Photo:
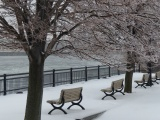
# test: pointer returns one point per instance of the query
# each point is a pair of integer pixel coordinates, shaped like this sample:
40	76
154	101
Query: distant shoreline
12	54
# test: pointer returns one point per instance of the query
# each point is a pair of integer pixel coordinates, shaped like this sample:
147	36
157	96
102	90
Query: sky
141	104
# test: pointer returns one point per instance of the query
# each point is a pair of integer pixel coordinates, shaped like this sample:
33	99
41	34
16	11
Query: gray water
20	64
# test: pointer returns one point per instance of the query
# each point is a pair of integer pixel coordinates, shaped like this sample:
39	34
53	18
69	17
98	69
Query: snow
140	104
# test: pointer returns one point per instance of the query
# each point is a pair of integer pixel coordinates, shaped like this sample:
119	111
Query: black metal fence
13	83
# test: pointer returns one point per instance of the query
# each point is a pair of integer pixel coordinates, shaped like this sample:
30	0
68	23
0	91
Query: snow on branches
104	30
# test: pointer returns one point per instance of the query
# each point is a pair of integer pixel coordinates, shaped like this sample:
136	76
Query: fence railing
13	83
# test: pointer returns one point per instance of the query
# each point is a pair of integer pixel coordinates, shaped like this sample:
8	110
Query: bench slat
118	84
71	94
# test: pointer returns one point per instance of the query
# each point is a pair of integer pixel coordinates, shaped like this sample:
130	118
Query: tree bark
35	90
128	79
149	65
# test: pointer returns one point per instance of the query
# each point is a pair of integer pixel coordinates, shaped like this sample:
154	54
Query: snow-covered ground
142	104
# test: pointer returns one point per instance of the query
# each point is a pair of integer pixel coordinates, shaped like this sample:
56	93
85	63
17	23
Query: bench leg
121	92
78	103
111	95
50	111
136	86
59	108
142	85
155	81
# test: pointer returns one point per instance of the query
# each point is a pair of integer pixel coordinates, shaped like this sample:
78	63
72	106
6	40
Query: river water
20	64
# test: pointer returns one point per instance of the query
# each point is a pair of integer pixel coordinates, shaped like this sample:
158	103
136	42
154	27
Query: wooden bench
156	77
67	95
116	86
143	81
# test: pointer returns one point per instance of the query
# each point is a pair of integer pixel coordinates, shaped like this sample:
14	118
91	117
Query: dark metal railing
13	83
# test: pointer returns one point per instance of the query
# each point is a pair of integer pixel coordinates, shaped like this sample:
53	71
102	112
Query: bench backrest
145	77
118	84
70	95
158	74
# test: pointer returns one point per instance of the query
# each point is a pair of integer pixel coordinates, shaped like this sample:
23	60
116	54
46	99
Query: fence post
134	68
71	76
53	77
98	72
109	71
5	88
85	73
139	68
118	71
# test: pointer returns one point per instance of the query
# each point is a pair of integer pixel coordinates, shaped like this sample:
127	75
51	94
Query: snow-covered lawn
142	104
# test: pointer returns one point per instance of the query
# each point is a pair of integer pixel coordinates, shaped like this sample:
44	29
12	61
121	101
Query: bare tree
128	26
41	28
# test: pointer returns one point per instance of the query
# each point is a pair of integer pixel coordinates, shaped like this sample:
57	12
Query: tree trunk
35	90
128	79
149	65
